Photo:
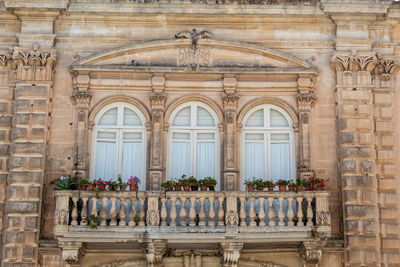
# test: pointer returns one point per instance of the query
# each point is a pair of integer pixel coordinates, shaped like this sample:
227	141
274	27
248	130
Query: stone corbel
231	253
71	252
311	252
155	250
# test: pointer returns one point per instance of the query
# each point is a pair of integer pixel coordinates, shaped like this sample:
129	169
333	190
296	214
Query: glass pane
280	161
256	119
132	161
279	137
109	118
182	118
205	160
131	118
255	136
106	135
277	119
132	136
180	159
182	136
105	160
204	118
255	161
205	136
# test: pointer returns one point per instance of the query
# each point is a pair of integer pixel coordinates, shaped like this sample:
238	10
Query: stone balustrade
191	212
212	2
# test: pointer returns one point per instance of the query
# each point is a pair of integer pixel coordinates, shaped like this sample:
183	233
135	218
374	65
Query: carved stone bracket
231	253
71	251
311	251
155	250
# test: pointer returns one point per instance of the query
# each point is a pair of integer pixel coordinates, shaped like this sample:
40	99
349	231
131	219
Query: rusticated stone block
360	211
383	99
24	176
35	162
21	104
19	264
369	195
347	151
16	162
11	252
346	137
15	222
371	256
4	150
15	191
14	237
387	184
385	154
28	147
384	126
352	225
38	133
370	226
39	119
361	241
359	180
355	124
31	91
347	166
386	113
34	191
390	243
354	255
22	118
389	170
2	135
356	95
31	222
366	166
364	109
40	105
3	107
366	138
5	121
22	206
28	252
387	140
350	195
18	132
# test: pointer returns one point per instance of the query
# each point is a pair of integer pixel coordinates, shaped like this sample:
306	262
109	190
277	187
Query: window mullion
119	152
267	155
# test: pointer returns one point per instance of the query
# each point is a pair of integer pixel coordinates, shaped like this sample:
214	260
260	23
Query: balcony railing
204	2
172	215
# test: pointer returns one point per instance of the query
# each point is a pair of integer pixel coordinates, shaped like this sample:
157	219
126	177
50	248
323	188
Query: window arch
268	149
119	143
193	141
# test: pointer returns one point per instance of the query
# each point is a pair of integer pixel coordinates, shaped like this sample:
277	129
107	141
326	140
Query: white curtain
180	159
255	160
205	159
105	160
131	160
280	161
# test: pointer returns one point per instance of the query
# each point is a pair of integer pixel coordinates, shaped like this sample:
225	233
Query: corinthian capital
354	62
34	57
305	99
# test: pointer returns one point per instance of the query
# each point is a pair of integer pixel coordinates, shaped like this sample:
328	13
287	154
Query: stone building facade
328	67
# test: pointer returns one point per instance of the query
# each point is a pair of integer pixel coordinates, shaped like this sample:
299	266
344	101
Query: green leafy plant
119	180
169	183
83	181
192	181
210	181
268	183
183	180
112	186
250	182
93	221
65	183
282	182
136	219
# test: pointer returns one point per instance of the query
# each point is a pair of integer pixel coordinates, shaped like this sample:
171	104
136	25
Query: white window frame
193	130
267	130
119	129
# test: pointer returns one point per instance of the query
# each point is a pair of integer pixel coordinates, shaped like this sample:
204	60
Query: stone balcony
196	218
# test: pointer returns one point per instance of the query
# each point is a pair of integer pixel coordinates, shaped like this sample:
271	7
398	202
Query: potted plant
64	183
303	168
292	186
100	184
133	183
112	186
169	185
136	219
122	186
83	183
269	184
282	184
259	183
250	185
300	184
203	184
211	183
194	185
314	184
92	185
184	182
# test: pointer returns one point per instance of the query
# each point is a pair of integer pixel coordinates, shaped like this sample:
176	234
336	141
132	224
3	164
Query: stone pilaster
30	122
231	253
386	168
157	101
82	99
357	157
155	250
230	173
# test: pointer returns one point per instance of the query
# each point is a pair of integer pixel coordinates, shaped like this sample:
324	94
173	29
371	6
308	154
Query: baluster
309	212
141	213
84	212
290	212
172	215
113	212
281	214
94	207
182	212
163	212
211	212
74	213
242	214
192	212
202	213
132	212
271	212
261	214
103	213
122	213
252	214
221	212
300	212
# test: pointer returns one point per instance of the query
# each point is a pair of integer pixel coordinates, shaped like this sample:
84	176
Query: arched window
118	146
193	141
268	150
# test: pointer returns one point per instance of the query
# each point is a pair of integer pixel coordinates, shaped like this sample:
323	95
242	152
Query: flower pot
250	188
92	187
203	187
186	188
133	187
300	188
123	187
260	188
282	188
211	187
84	187
270	188
194	188
292	187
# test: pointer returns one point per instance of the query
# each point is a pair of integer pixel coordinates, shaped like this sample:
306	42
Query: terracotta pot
84	187
194	188
260	188
270	188
211	187
92	187
292	187
282	188
123	187
186	188
203	187
133	187
300	188
250	188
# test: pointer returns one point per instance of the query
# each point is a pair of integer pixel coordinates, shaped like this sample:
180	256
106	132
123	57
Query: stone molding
311	251
155	250
71	251
231	253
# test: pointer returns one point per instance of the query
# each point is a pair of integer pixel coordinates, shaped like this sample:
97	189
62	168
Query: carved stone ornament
311	251
386	67
194	36
354	62
6	59
231	253
230	117
158	99
155	250
82	95
231	218
194	58
305	99
61	217
230	98
71	251
304	117
323	218
153	218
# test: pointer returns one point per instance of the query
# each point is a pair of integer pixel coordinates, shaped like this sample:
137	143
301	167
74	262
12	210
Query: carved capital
311	251
6	59
386	67
82	96
230	98
158	99
305	84
231	253
155	250
306	99
71	251
354	62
